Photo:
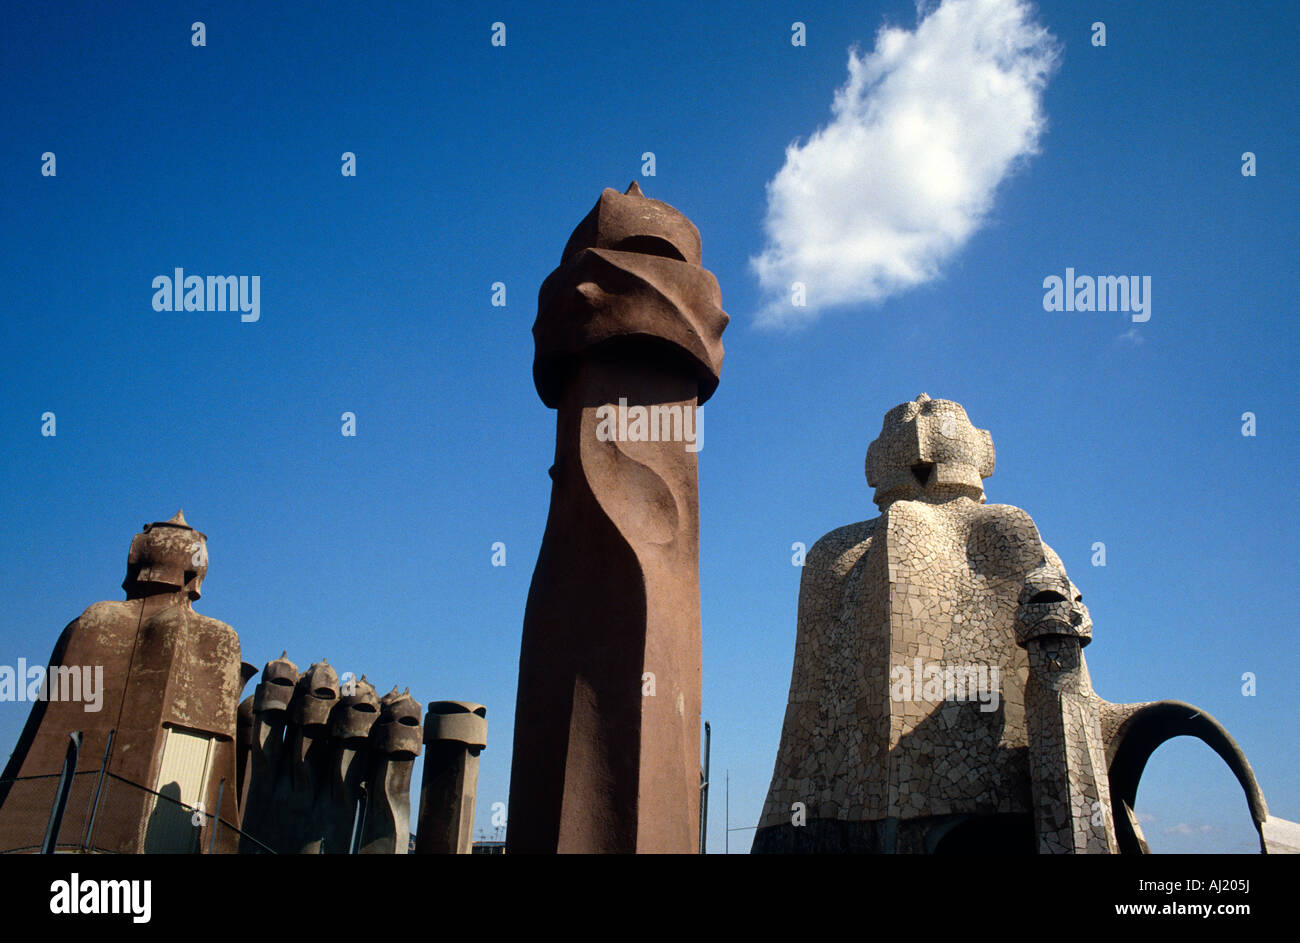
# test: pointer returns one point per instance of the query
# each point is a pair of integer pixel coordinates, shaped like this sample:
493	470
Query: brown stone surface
455	732
630	320
166	669
396	740
317	754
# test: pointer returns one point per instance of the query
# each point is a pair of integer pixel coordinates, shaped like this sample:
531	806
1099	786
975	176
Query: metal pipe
99	785
216	819
358	821
61	797
704	792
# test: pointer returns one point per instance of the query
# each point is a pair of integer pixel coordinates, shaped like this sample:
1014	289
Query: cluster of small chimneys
325	767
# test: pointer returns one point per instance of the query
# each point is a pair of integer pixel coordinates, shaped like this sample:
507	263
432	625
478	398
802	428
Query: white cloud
926	127
1182	828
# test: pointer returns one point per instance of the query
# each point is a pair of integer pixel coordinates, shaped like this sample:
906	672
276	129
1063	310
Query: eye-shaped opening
408	720
1046	596
922	471
283	682
1079	598
325	694
364	708
649	245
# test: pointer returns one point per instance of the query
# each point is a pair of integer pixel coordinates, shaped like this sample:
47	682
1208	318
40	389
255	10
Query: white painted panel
183	776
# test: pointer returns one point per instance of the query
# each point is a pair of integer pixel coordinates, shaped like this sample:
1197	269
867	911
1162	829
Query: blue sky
474	163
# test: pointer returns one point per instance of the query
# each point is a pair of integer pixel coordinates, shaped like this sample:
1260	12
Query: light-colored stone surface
1281	837
1067	757
880	749
938	577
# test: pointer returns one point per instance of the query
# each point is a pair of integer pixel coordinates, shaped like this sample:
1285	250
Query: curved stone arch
1139	735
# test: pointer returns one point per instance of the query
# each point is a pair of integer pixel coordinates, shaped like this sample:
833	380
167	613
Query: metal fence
106	814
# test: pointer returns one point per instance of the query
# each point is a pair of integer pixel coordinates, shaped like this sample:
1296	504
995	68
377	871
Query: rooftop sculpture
607	721
940	700
171	685
305	765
